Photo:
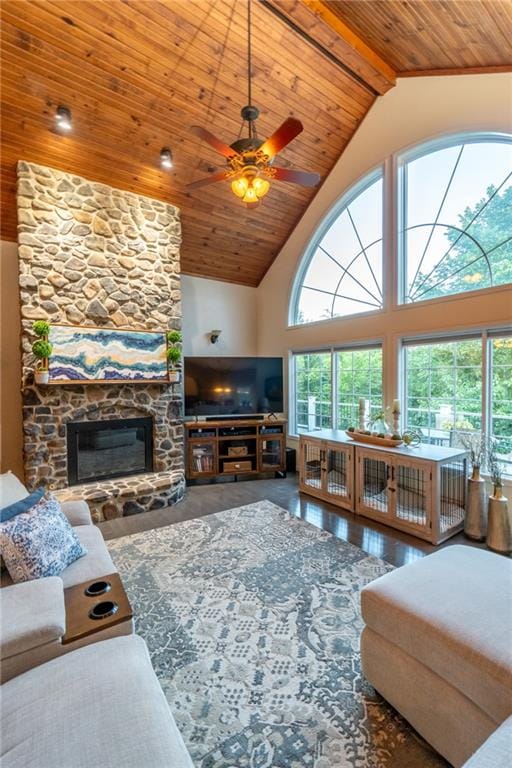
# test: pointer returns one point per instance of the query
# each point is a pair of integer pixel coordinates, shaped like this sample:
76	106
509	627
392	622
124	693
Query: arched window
453	229
456	209
342	270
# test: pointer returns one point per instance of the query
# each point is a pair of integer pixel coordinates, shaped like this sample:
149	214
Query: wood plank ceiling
138	73
425	35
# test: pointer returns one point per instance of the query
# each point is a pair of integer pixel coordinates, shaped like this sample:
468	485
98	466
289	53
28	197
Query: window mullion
334	390
486	386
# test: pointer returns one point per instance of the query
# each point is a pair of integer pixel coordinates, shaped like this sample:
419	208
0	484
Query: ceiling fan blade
304	178
211	179
284	134
213	141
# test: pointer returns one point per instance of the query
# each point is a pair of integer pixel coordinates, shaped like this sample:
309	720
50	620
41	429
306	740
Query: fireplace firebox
99	450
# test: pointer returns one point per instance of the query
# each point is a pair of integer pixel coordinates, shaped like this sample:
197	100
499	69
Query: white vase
499	530
174	376
41	377
475	521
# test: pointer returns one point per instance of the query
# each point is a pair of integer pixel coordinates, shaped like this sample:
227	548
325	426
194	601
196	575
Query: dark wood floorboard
387	543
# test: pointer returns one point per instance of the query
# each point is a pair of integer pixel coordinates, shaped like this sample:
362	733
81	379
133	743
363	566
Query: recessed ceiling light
63	119
166	158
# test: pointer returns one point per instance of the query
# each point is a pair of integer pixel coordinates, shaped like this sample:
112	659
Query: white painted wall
211	304
416	110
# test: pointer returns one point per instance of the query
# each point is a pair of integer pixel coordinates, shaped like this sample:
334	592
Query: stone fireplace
101	450
91	255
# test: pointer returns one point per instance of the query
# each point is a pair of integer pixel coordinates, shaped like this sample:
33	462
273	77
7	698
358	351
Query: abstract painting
106	355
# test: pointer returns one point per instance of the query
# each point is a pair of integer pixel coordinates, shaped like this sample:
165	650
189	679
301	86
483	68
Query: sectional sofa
69	706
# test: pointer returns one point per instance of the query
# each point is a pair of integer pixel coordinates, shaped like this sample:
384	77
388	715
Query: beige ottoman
438	646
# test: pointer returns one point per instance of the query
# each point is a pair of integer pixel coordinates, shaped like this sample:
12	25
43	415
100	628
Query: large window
456	387
500	357
343	270
443	388
438	221
356	372
457	219
313	391
358	375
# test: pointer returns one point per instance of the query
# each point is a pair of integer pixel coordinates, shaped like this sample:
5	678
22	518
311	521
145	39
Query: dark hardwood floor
387	543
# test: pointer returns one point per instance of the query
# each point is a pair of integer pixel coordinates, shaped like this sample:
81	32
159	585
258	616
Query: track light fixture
63	119
166	158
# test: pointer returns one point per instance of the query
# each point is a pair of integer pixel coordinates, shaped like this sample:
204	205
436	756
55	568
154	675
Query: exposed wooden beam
456	71
325	31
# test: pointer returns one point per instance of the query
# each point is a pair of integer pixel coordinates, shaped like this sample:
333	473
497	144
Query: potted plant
41	349
475	521
174	339
499	532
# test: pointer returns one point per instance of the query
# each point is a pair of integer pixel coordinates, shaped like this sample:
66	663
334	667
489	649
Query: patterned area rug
252	621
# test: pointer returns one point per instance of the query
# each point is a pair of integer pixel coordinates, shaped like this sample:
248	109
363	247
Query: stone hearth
91	255
128	496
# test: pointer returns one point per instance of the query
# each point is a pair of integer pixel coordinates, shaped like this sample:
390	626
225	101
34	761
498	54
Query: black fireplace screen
98	450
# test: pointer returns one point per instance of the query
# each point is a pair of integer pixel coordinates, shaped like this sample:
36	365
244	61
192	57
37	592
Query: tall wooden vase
475	523
499	533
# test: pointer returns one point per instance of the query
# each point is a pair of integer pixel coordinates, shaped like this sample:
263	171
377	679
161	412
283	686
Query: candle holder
362	414
396	417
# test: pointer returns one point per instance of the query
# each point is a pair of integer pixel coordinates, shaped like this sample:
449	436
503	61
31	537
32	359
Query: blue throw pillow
39	542
21	506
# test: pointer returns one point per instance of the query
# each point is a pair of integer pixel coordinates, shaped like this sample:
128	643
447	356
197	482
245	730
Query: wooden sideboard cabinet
419	490
235	447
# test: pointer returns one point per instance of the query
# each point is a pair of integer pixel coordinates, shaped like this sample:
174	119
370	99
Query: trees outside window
443	388
357	373
500	355
343	271
444	393
435	222
457	233
313	391
453	228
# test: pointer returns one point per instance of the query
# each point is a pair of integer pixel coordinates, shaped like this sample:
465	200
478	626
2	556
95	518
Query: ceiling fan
250	160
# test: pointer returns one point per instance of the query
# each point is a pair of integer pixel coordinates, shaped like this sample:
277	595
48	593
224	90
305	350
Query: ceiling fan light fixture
250	196
249	159
239	186
261	186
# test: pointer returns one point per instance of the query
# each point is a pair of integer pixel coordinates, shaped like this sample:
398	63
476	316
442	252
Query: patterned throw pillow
39	542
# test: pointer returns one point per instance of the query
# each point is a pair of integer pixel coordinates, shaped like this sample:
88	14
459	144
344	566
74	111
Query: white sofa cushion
35	614
34	621
11	489
77	512
453	612
98	707
96	563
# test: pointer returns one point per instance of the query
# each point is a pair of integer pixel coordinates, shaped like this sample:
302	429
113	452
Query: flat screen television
229	386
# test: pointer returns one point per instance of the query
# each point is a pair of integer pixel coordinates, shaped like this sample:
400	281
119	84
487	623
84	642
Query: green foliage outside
464	268
444	380
359	375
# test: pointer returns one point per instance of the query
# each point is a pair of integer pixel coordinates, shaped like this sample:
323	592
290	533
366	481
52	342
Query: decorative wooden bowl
387	442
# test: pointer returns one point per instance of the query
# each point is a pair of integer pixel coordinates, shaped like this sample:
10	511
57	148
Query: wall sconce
166	158
214	336
63	119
